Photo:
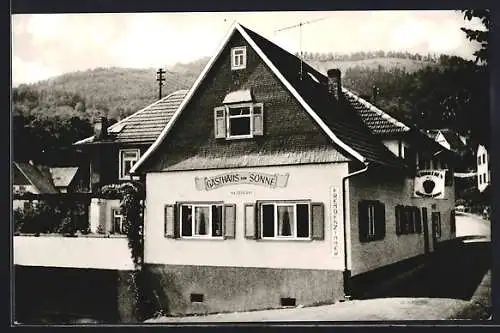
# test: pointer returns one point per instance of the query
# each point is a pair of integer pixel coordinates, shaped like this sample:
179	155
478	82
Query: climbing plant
132	195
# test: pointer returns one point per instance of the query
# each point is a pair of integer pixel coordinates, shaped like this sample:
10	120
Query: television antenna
299	25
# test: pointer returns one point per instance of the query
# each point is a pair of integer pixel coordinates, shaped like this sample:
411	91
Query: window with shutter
200	220
220	122
285	220
230	221
258	119
250	221
371	219
418	220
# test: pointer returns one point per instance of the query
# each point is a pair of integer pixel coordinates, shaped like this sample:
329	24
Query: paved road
454	272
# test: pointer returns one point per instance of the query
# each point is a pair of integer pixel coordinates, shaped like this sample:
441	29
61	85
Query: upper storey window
238	57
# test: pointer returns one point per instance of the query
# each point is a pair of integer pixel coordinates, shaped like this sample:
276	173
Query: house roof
449	135
339	121
379	122
40	178
145	125
62	177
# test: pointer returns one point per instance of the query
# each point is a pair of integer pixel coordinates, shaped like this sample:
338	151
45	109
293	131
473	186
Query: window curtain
285	220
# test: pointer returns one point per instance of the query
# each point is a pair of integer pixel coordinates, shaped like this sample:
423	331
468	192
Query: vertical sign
336	221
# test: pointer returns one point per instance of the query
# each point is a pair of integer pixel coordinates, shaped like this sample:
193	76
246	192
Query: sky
47	45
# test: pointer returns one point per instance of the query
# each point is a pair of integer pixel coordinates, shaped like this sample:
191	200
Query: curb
482	295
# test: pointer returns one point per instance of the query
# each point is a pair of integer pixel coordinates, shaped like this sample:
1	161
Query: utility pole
160	78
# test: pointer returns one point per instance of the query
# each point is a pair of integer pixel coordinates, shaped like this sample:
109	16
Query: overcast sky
45	45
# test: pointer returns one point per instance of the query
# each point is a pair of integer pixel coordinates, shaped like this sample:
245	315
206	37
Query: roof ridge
376	109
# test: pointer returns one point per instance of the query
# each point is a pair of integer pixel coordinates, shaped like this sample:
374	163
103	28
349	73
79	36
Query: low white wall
77	252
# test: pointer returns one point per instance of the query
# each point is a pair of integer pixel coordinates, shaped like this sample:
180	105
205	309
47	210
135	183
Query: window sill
239	137
285	239
238	68
194	238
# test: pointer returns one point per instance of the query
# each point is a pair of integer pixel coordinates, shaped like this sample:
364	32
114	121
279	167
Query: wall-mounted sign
430	184
241	177
336	221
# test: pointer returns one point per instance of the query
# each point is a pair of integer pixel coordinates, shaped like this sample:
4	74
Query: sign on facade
335	221
241	177
430	184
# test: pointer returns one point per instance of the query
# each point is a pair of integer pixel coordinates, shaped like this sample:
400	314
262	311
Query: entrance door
425	222
436	228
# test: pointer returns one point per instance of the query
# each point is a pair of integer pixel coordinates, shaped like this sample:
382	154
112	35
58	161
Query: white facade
305	182
483	168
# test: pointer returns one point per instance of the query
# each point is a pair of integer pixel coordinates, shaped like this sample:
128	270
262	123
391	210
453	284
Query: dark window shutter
258	119
220	122
170	221
250	221
399	217
418	225
363	221
453	226
229	221
379	220
318	220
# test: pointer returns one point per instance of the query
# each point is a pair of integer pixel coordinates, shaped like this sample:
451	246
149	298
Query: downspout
347	272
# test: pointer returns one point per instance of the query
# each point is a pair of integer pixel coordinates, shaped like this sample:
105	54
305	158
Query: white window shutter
229	220
318	221
250	221
220	122
258	119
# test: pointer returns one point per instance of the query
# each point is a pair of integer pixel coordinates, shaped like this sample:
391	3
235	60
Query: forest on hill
431	92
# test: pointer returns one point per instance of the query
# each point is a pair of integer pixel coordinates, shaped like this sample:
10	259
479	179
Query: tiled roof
453	139
145	125
62	177
379	122
38	177
340	117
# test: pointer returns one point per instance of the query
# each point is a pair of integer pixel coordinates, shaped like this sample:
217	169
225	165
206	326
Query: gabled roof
339	121
62	177
145	125
38	177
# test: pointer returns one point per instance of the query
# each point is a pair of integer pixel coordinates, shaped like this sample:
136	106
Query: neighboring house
448	139
272	185
68	179
114	149
483	168
28	178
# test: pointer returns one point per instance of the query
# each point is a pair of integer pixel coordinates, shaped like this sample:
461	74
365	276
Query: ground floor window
285	219
408	220
371	218
118	222
201	220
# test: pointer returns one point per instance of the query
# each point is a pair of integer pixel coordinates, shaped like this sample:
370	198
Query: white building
483	168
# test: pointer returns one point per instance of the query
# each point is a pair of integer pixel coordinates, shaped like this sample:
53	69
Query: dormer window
238	57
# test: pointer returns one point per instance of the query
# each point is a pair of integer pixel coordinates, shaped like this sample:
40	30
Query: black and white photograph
174	168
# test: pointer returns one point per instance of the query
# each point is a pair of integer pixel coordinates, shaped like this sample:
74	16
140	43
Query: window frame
115	213
193	205
235	56
277	203
371	222
121	161
250	106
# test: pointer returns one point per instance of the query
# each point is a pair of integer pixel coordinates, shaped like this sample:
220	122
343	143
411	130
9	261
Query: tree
480	36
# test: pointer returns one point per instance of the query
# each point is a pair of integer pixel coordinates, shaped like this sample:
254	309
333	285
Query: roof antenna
300	38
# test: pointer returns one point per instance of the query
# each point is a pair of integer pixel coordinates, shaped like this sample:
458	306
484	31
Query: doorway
425	222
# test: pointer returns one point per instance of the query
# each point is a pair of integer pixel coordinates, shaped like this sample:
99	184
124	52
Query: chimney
334	82
101	128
